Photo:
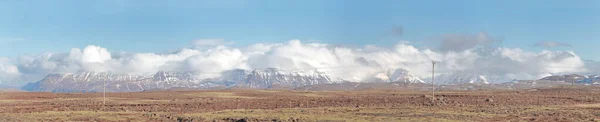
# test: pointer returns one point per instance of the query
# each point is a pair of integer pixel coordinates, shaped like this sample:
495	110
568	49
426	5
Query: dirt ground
555	104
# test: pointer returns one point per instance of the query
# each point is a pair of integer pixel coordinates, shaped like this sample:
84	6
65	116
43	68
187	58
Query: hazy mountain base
515	85
256	79
93	81
275	79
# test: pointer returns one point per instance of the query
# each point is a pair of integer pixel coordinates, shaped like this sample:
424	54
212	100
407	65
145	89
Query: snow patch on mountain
259	78
466	78
593	79
397	75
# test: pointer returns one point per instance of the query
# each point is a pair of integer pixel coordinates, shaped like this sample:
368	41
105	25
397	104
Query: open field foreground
556	104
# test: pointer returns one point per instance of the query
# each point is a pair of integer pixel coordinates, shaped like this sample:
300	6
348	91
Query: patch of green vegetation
308	94
291	93
596	105
465	113
539	108
15	101
326	114
269	91
218	95
75	116
281	114
142	101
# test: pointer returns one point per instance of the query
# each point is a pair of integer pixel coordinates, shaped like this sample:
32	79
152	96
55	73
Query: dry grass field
555	104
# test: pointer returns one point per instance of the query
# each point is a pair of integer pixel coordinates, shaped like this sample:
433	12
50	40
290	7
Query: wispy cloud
551	44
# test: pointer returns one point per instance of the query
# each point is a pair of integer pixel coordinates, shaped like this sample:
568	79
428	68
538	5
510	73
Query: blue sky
34	27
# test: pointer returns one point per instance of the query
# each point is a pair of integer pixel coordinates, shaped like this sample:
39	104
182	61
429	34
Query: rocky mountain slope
94	81
594	79
575	78
272	78
565	78
397	75
462	78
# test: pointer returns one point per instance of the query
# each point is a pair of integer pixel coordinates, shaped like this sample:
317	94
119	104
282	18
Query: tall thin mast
104	95
433	81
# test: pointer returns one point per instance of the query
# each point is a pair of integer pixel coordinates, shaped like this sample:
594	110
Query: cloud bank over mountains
551	44
470	54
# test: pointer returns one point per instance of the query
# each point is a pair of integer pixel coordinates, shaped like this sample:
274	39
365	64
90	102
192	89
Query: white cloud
354	64
8	71
95	54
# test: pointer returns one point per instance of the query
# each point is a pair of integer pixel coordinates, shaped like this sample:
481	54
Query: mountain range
238	78
270	78
575	78
116	82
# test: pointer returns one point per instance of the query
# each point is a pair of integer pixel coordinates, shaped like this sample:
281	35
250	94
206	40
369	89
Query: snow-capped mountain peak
264	78
462	78
398	75
175	76
259	78
593	79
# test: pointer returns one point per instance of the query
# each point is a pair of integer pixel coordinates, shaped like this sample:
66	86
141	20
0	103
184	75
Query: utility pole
104	95
433	81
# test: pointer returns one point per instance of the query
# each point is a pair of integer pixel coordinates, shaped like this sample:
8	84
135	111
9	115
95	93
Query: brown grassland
553	104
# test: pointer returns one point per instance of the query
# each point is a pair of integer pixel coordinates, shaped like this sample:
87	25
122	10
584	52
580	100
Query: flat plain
549	104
